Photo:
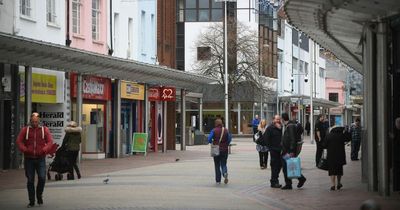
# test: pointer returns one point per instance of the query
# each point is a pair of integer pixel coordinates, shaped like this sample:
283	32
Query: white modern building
295	66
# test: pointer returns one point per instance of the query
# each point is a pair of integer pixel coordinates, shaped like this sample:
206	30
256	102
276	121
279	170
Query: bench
229	148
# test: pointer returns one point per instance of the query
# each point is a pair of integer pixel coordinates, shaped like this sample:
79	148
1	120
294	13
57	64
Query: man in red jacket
35	141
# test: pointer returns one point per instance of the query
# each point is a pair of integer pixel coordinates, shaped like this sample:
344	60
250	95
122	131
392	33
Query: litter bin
199	138
189	136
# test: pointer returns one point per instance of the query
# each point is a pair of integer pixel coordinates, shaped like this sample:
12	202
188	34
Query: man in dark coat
320	132
272	137
290	141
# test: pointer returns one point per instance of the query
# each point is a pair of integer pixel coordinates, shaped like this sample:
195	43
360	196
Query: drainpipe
68	40
111	50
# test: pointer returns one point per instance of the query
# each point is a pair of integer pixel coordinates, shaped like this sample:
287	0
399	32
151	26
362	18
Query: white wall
125	10
7	13
285	68
37	27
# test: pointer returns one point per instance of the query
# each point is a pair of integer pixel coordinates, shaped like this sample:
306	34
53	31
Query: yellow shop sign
131	90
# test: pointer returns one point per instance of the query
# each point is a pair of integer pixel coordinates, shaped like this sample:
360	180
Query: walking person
261	147
290	142
35	141
71	142
335	142
220	136
320	133
308	127
355	139
273	137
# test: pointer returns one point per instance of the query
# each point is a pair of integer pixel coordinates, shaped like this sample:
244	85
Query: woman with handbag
220	139
261	147
71	142
336	157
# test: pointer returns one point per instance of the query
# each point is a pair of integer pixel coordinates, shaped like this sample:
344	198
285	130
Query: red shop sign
154	94
162	94
97	88
168	94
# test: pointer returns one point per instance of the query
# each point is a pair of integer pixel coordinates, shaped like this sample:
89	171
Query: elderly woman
71	143
261	147
336	158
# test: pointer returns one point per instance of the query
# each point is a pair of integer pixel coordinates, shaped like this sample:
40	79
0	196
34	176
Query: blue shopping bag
293	167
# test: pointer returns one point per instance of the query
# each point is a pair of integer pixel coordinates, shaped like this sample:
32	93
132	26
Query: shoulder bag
215	147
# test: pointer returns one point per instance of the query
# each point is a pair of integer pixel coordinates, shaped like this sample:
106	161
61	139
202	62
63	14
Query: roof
30	52
338	25
316	101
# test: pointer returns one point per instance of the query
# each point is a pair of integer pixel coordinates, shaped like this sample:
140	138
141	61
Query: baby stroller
60	163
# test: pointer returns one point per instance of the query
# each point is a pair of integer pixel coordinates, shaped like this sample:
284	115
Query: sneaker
40	201
30	205
287	187
339	186
333	188
276	185
226	178
301	182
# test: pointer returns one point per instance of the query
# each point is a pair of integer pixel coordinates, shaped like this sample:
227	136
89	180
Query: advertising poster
139	143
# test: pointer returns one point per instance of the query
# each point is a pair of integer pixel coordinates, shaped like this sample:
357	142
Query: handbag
293	167
215	147
323	162
256	136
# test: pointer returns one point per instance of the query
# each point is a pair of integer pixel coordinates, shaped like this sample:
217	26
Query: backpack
27	133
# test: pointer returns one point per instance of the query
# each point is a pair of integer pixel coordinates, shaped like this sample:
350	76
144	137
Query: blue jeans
220	165
31	166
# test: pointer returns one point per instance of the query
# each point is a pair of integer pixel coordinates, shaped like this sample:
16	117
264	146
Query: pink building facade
88	25
335	92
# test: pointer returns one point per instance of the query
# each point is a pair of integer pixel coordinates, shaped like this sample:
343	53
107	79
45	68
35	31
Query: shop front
96	96
132	112
158	96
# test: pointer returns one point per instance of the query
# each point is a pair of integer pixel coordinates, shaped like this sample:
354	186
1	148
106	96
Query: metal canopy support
369	154
117	118
79	100
183	119
28	93
382	120
201	114
239	118
165	126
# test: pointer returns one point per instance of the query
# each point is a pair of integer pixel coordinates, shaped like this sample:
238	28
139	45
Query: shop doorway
93	125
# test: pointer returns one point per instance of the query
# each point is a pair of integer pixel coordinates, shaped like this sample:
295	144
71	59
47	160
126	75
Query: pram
60	163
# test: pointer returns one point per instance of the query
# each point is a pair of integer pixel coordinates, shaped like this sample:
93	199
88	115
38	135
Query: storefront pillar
117	119
165	126
146	112
183	119
28	94
239	125
79	101
201	114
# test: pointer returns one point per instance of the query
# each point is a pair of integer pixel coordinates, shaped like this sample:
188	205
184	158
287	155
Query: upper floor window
334	97
199	11
203	53
76	16
25	7
321	72
51	11
95	19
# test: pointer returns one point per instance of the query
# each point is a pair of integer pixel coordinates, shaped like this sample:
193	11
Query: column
382	104
201	114
28	93
117	119
79	107
183	119
165	127
239	119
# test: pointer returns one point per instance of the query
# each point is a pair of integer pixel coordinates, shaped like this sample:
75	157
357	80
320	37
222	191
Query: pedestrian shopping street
185	180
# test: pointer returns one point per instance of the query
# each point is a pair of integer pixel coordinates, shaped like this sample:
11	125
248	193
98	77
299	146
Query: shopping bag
214	150
323	162
293	167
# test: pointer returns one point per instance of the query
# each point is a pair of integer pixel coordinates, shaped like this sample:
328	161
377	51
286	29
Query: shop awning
316	101
30	52
338	25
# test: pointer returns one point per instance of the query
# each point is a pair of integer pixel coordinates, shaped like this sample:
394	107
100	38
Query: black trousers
276	165
72	156
318	154
263	158
355	148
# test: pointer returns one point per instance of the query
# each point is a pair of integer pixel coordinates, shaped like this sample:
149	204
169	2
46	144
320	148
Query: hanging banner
139	142
131	90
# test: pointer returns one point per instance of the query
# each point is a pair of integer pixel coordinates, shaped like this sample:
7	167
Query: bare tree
246	49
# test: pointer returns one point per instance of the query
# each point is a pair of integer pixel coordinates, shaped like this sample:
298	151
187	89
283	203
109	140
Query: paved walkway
185	180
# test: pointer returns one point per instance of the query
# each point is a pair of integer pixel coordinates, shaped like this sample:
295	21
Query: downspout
68	40
111	50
